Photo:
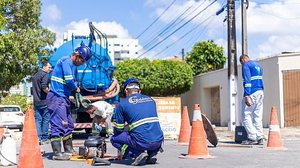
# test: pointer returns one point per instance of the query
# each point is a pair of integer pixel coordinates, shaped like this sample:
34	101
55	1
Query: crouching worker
101	113
144	136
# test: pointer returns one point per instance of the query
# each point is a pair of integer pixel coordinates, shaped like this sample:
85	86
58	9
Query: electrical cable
177	29
187	33
153	22
167	27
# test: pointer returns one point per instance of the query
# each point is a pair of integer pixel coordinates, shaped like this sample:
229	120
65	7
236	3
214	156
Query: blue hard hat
127	81
84	51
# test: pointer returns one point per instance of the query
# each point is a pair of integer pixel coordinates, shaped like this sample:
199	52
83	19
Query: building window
125	51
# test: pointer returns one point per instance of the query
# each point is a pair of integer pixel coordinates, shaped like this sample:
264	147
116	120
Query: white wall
273	83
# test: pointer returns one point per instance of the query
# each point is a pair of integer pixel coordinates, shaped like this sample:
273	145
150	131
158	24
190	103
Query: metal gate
291	94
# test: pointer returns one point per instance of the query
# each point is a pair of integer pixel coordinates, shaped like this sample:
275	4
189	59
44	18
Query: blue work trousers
127	144
61	120
42	118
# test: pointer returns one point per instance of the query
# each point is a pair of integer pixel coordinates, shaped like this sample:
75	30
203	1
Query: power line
155	20
183	36
162	31
168	27
178	28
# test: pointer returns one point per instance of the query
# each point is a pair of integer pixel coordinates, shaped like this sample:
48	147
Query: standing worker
144	133
40	89
252	103
62	84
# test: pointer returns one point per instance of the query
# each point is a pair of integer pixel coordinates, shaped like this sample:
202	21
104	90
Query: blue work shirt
252	75
63	77
139	112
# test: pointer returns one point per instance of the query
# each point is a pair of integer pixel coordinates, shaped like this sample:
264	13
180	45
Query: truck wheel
88	130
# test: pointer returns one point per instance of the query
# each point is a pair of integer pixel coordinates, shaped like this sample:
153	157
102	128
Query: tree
158	77
206	56
21	35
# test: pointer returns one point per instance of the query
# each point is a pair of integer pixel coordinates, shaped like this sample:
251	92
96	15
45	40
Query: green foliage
206	56
20	37
158	77
16	100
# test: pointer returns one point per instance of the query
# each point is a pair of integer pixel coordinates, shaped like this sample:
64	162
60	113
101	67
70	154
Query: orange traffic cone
198	145
274	139
30	151
185	127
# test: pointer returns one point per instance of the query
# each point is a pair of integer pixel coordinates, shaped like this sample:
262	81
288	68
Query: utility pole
244	7
232	64
182	54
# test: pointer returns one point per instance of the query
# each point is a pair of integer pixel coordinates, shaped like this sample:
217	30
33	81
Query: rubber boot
57	154
68	147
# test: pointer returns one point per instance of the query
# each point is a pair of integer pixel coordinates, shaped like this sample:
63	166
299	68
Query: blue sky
273	25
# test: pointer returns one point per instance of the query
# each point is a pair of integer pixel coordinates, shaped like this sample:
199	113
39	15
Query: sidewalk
288	133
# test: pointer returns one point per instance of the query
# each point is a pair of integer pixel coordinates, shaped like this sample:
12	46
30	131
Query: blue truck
95	77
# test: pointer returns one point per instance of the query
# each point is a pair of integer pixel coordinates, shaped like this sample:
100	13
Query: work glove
98	128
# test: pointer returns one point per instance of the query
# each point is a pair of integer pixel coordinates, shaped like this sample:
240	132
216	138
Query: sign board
169	115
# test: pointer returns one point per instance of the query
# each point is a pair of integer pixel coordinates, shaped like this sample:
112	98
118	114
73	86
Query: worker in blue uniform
252	103
62	84
137	131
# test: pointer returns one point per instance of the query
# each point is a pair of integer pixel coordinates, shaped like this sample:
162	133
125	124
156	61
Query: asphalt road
227	154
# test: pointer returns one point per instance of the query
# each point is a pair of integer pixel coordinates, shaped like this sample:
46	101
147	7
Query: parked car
11	116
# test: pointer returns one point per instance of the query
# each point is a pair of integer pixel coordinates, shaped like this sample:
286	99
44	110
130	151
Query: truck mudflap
83	125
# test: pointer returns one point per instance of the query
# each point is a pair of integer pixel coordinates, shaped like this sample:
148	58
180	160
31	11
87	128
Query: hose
112	91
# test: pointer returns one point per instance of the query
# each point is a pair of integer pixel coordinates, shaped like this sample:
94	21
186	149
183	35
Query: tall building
121	48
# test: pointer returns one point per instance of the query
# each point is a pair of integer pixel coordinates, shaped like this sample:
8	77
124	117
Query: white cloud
276	18
81	27
277	44
53	13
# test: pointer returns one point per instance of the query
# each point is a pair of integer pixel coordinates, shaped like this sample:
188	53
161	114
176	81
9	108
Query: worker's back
139	111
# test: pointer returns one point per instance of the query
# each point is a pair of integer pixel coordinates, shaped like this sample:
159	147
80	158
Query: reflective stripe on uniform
255	77
67	137
123	149
57	79
119	126
143	121
56	139
247	84
69	77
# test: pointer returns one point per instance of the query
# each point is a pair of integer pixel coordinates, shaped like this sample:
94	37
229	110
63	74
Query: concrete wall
272	68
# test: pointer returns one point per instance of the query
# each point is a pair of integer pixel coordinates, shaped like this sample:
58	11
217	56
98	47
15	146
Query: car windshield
9	109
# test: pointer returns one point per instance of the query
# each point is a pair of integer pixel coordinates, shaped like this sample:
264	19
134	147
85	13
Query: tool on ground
94	147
